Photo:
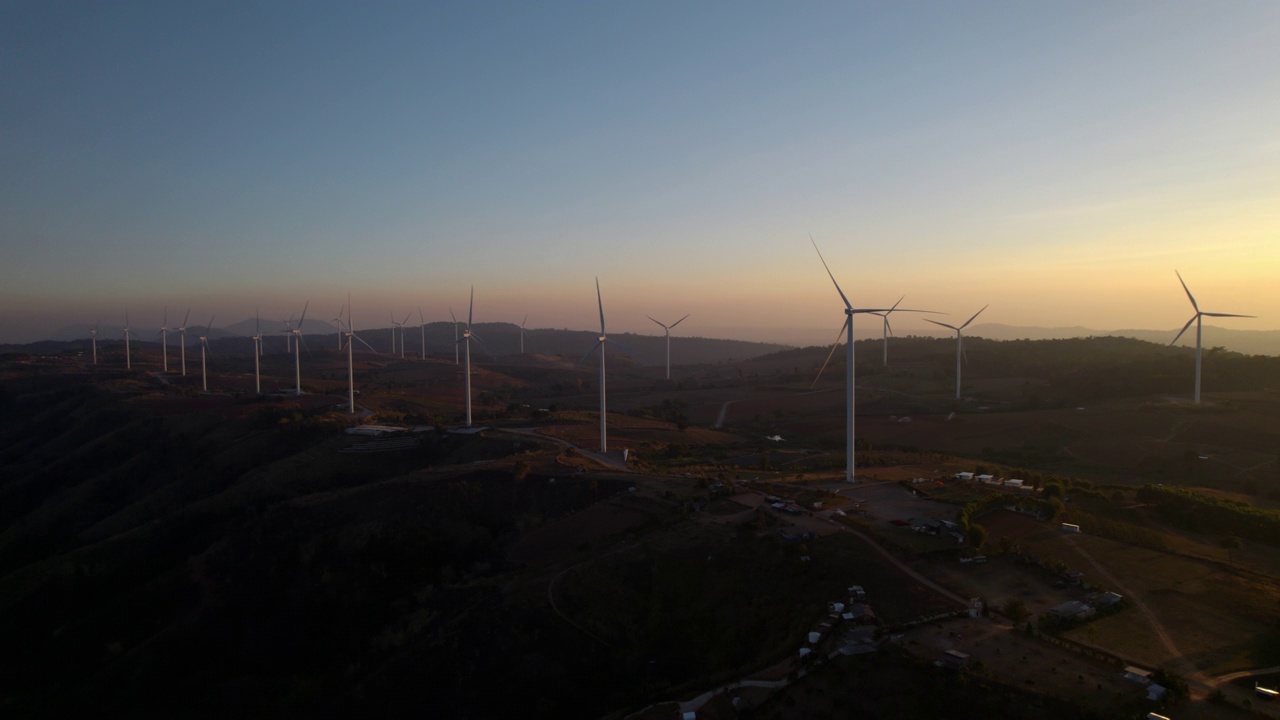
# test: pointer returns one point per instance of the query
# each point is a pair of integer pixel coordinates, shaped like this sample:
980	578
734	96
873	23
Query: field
237	522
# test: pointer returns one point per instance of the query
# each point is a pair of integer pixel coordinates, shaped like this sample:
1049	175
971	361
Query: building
1138	675
965	476
953	659
796	533
1072	609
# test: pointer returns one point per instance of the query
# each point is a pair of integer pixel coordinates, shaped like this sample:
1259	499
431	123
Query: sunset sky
1056	160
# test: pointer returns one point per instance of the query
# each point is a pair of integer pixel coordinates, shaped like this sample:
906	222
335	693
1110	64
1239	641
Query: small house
796	533
954	659
1138	675
1106	599
1072	609
965	476
1013	483
1070	527
861	614
988	479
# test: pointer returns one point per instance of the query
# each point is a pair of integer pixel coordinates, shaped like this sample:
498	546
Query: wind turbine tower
128	362
93	334
455	334
1196	319
297	350
351	366
204	347
164	339
522	322
959	343
600	343
257	353
667	328
183	331
422	328
466	340
338	320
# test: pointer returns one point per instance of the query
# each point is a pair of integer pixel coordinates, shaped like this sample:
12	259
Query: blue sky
1056	160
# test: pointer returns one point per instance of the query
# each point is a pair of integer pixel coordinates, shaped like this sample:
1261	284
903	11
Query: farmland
244	518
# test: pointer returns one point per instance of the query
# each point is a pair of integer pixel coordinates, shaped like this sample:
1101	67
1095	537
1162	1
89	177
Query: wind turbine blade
621	346
847	304
935	322
679	321
522	322
363	342
1187	291
484	347
590	352
888	329
895	305
257	323
1184	329
600	303
471	306
454	317
660	324
831	354
966	322
186	317
421	318
963	355
304	316
1209	314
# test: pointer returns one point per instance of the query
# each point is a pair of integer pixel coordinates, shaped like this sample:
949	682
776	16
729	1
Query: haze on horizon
1057	161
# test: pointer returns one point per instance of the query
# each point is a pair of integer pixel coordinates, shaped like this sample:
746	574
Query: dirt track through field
1201	685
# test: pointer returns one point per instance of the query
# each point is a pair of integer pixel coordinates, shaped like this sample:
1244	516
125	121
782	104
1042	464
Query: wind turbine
667	328
466	341
455	334
1196	319
93	334
888	330
959	343
164	339
849	311
183	331
338	320
600	343
288	334
257	353
128	363
204	347
351	367
297	350
422	327
522	322
399	325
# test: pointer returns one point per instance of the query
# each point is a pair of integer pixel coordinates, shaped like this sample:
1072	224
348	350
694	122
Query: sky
1057	161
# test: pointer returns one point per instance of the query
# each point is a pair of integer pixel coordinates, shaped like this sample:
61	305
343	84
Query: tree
977	536
1015	610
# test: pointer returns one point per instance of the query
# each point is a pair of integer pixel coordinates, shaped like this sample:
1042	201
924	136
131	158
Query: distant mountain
1248	342
148	333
